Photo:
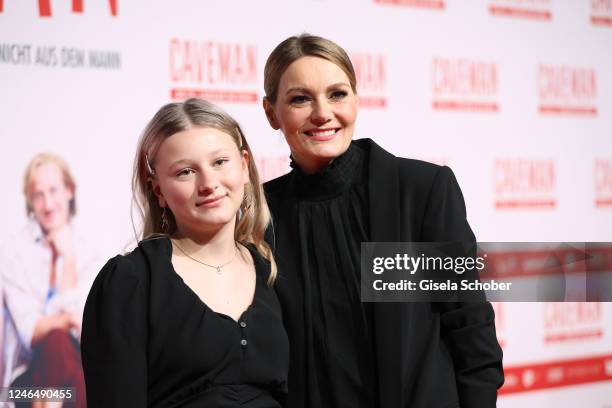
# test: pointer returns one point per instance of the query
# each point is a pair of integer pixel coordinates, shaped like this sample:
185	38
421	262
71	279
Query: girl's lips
211	202
322	134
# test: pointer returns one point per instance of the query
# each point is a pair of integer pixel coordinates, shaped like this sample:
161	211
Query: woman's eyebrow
306	90
338	84
296	89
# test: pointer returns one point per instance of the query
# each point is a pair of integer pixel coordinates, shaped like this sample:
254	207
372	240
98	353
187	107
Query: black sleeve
113	339
468	328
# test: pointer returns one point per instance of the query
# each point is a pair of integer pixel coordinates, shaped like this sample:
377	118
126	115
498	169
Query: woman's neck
311	166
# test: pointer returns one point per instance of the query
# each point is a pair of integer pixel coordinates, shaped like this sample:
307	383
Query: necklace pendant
218	270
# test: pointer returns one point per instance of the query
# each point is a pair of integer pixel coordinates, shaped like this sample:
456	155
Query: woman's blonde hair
296	47
180	116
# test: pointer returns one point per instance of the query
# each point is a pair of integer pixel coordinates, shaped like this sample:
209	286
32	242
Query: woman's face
316	111
49	197
200	175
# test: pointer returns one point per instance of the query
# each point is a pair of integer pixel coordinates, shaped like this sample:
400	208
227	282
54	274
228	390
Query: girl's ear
157	191
246	159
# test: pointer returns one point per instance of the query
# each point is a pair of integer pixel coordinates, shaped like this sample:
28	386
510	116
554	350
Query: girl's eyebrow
189	161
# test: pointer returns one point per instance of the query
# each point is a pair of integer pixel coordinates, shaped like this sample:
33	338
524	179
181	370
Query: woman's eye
338	94
298	99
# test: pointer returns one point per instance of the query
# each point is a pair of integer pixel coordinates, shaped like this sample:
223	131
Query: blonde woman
346	353
189	318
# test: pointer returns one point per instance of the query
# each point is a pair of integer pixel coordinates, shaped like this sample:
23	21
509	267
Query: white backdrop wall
514	95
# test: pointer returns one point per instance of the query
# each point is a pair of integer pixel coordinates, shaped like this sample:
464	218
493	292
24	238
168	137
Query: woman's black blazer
429	355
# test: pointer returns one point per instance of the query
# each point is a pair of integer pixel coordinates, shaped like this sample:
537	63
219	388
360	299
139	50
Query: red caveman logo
44	7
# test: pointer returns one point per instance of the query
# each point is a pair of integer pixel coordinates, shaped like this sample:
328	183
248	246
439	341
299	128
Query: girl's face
200	175
316	110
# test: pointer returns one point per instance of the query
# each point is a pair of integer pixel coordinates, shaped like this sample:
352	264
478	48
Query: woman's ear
157	191
269	109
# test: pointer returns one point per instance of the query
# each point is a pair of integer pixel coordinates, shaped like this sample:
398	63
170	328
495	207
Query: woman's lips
322	134
211	202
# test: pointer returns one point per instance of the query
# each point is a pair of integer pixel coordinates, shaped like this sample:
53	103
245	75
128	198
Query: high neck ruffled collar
345	171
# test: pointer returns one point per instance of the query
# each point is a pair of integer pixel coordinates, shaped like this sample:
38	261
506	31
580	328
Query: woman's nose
321	113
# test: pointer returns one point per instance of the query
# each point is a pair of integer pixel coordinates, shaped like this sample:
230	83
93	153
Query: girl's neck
213	246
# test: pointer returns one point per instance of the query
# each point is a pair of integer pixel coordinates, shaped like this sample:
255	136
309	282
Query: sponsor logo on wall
572	321
601	12
524	184
461	84
566	90
603	183
371	73
428	4
214	70
45	10
523	9
59	56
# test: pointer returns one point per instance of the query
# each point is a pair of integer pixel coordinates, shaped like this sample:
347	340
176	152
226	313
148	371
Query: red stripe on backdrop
214	95
465	106
1	6
520	13
564	337
504	264
568	110
511	204
601	20
433	4
554	374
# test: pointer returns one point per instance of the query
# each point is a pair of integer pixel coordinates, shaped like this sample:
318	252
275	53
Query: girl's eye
185	172
338	94
220	162
298	99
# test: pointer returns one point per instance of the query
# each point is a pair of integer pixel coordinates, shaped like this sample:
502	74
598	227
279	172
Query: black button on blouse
149	341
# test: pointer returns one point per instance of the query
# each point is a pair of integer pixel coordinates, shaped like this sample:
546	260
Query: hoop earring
164	221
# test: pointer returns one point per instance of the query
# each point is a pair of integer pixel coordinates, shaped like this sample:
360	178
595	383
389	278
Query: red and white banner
514	95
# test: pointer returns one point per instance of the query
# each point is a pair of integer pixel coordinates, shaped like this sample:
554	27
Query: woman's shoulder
276	186
413	172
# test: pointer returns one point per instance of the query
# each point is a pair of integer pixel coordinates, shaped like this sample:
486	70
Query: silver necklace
217	268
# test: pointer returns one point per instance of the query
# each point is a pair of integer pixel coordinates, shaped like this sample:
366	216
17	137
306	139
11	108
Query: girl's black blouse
149	341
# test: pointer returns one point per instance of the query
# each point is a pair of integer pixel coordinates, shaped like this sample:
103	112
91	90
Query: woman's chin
327	153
